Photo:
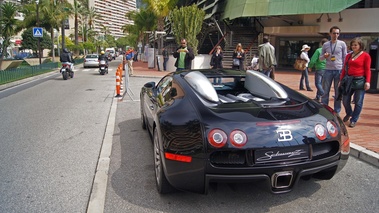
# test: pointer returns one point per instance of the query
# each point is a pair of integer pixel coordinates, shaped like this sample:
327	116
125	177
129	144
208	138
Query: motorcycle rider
66	58
102	57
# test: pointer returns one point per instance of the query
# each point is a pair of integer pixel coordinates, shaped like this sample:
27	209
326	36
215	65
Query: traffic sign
37	32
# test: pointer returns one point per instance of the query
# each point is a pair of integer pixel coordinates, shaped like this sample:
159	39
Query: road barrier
118	84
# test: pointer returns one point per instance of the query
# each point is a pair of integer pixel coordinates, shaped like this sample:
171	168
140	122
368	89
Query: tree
186	22
30	42
144	20
161	8
9	26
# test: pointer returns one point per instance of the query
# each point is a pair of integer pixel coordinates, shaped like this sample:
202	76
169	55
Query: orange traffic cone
118	86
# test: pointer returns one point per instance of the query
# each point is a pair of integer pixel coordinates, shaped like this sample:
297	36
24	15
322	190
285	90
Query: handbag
236	62
358	83
300	64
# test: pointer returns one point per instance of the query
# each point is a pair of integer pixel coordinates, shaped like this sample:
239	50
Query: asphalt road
50	138
131	182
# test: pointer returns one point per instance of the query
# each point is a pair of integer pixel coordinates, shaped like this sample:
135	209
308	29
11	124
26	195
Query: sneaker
346	118
311	90
352	124
301	89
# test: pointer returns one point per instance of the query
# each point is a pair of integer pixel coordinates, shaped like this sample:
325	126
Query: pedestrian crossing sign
37	32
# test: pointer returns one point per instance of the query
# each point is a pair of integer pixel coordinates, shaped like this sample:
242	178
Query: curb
364	154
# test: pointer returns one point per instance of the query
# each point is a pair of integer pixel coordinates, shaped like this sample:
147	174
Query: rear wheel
163	186
72	74
64	75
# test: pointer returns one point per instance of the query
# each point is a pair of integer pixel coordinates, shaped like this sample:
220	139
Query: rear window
91	56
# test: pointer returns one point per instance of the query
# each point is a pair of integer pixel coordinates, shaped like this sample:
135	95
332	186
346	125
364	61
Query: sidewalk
364	145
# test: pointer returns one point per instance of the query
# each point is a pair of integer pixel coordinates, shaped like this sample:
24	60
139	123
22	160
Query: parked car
245	127
91	60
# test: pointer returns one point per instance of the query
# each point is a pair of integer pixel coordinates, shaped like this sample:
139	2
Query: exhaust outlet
281	180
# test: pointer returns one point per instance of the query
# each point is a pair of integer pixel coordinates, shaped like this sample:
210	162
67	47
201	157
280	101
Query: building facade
289	23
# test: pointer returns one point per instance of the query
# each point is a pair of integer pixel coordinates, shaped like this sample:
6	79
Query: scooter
103	67
66	71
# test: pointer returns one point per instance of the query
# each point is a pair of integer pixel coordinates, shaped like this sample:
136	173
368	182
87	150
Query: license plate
281	154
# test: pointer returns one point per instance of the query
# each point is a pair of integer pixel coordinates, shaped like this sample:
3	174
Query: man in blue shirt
129	59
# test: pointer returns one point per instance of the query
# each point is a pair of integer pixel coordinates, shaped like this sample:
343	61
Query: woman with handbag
304	73
238	58
357	64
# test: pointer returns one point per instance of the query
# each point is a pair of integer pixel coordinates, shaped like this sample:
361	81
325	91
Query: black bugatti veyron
229	125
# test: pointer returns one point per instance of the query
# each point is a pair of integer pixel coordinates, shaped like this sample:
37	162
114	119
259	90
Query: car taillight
320	132
217	138
332	128
176	157
238	138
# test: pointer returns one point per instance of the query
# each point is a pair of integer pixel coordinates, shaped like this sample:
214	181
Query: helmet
102	52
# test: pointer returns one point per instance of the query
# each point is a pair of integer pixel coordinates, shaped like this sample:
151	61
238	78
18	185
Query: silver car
91	60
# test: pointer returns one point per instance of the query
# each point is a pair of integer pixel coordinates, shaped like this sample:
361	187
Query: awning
253	8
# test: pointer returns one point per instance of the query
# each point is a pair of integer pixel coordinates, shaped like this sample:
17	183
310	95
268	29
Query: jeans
331	76
359	95
165	63
304	77
216	80
267	72
318	82
180	69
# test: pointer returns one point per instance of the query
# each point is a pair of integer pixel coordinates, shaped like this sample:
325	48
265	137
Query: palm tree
9	26
77	10
92	16
144	20
161	8
52	17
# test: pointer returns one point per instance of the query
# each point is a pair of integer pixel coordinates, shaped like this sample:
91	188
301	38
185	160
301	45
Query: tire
64	75
72	74
163	186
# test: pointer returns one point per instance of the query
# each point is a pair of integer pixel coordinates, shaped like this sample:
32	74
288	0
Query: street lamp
39	38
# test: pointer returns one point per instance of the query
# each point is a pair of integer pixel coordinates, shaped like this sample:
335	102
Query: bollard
118	86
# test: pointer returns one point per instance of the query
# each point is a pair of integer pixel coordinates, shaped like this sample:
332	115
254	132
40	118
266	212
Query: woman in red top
358	65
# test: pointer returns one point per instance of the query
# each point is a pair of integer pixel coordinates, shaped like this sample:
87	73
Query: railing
15	74
218	43
19	73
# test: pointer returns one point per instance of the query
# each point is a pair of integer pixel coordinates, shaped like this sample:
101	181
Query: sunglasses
183	43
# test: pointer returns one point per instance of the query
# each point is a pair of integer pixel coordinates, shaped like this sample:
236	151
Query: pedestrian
129	60
216	62
334	52
320	70
357	64
255	62
238	57
184	56
165	58
304	74
267	59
